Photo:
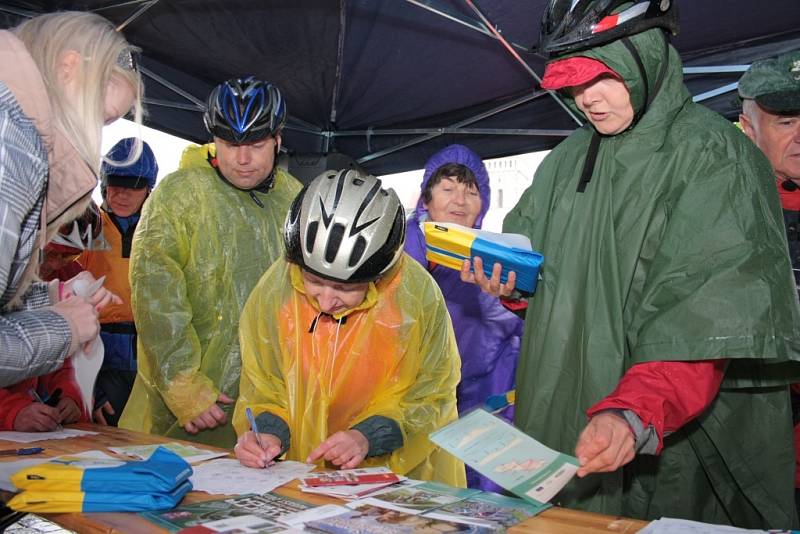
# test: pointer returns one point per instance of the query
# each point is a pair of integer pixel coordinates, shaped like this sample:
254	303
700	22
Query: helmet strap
649	95
263	187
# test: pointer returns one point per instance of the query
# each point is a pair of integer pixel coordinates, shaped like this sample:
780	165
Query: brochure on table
507	456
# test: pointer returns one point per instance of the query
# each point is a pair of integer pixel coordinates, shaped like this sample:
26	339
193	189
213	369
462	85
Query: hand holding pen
37	416
254	449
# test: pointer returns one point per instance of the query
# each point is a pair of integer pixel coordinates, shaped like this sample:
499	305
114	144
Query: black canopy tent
389	82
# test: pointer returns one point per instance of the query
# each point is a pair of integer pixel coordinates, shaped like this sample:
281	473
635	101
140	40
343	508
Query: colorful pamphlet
268	508
350	477
369	519
506	511
417	497
506	455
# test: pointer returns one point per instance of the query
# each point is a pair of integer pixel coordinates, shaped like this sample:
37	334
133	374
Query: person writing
348	355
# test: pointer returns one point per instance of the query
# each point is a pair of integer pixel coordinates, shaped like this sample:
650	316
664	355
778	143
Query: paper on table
416	499
189	453
229	477
87	362
30	437
666	525
318	512
243	524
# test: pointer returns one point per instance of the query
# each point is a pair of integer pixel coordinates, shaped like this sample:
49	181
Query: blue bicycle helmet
140	173
244	110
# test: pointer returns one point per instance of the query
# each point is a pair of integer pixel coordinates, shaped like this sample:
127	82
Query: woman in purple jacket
455	189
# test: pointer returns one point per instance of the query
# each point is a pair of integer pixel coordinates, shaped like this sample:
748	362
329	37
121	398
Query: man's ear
67	68
278	142
747	126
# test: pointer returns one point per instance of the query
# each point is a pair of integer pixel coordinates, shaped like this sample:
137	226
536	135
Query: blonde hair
80	116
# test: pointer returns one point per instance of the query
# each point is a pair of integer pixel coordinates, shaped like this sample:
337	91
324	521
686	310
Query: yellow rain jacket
394	355
200	247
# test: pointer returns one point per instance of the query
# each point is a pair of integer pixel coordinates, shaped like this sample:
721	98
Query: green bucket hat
774	83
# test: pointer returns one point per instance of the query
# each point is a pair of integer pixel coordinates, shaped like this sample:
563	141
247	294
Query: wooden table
552	521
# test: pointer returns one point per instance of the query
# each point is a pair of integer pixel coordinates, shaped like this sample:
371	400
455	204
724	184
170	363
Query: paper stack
96	482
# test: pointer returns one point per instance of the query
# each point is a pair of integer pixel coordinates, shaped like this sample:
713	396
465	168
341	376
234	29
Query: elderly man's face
778	136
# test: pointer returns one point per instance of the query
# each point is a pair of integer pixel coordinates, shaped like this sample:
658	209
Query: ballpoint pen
21	452
253	426
38	399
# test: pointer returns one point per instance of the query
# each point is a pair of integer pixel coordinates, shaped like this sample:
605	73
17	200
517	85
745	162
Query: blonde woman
63	76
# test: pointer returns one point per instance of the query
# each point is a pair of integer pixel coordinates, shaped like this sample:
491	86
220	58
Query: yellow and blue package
449	244
94	481
78	501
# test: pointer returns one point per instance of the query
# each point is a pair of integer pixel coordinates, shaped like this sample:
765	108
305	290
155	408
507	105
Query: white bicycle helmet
344	226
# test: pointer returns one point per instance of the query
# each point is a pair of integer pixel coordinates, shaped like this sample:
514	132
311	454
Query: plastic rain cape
199	249
394	355
675	251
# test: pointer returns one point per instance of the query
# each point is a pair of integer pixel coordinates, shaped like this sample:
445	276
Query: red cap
574	71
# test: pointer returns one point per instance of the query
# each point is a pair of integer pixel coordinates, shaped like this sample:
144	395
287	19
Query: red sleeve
64	378
666	395
797	455
13	399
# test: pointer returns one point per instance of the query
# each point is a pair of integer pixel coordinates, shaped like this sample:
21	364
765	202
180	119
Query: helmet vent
358	181
334	242
311	235
358	251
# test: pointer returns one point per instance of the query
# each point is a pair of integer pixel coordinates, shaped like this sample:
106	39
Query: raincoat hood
487	334
650	46
466	157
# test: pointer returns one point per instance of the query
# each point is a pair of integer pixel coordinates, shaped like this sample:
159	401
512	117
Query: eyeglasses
128	59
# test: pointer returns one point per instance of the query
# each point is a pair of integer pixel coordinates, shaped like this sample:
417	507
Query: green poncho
675	251
199	250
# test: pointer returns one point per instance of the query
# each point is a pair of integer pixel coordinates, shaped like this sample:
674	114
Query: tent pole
716	92
201	106
455	17
533	132
136	15
470	120
516	56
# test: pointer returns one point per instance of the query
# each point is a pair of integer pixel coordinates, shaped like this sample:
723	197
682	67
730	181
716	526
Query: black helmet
572	25
343	226
244	110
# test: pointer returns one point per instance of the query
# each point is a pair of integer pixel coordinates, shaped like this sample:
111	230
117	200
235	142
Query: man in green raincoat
666	310
205	238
